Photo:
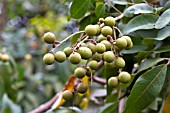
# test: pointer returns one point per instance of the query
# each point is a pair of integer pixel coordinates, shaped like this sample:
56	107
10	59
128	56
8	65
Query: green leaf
135	49
163	20
100	10
79	8
162	49
143	21
108	108
167	5
137	9
146	88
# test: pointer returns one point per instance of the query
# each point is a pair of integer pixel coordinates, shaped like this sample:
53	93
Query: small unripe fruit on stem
98	28
82	88
100	48
60	56
80	72
107	44
92	47
93	65
119	62
48	58
49	37
5	58
109	21
124	77
110	65
85	52
101	37
108	56
75	58
67	95
67	51
101	20
130	46
97	57
128	39
113	82
106	30
90	30
117	48
121	43
83	45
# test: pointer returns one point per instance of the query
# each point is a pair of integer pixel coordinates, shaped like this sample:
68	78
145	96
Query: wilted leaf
146	88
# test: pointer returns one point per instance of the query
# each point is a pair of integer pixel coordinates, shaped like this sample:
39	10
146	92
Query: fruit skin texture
110	21
80	72
75	58
48	58
67	51
93	65
97	57
124	77
128	39
82	88
121	43
130	46
100	48
98	29
92	47
107	44
101	38
60	56
49	37
67	95
119	62
113	82
85	52
108	56
106	30
90	30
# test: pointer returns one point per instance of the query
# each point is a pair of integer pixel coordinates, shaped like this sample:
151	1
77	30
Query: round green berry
97	57
124	77
90	30
48	58
5	58
113	82
109	21
107	44
67	95
60	56
83	45
101	38
67	51
119	62
85	52
128	39
75	58
108	56
82	88
92	47
80	72
93	65
117	48
110	65
100	48
106	30
130	46
49	37
121	43
98	29
101	20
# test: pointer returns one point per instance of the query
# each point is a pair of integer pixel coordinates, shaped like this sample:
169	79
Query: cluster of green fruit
4	57
96	45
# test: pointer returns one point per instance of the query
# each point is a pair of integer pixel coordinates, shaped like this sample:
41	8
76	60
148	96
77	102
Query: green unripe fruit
82	88
124	77
90	30
97	57
110	65
110	21
85	52
98	28
93	65
119	62
67	95
67	51
100	48
83	45
92	47
121	43
101	38
48	58
75	58
117	49
49	37
107	44
113	82
90	72
106	30
60	56
80	72
5	58
108	56
130	46
128	39
101	20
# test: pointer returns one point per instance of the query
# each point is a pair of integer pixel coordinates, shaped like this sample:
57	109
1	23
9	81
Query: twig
44	107
99	80
116	9
119	17
118	30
